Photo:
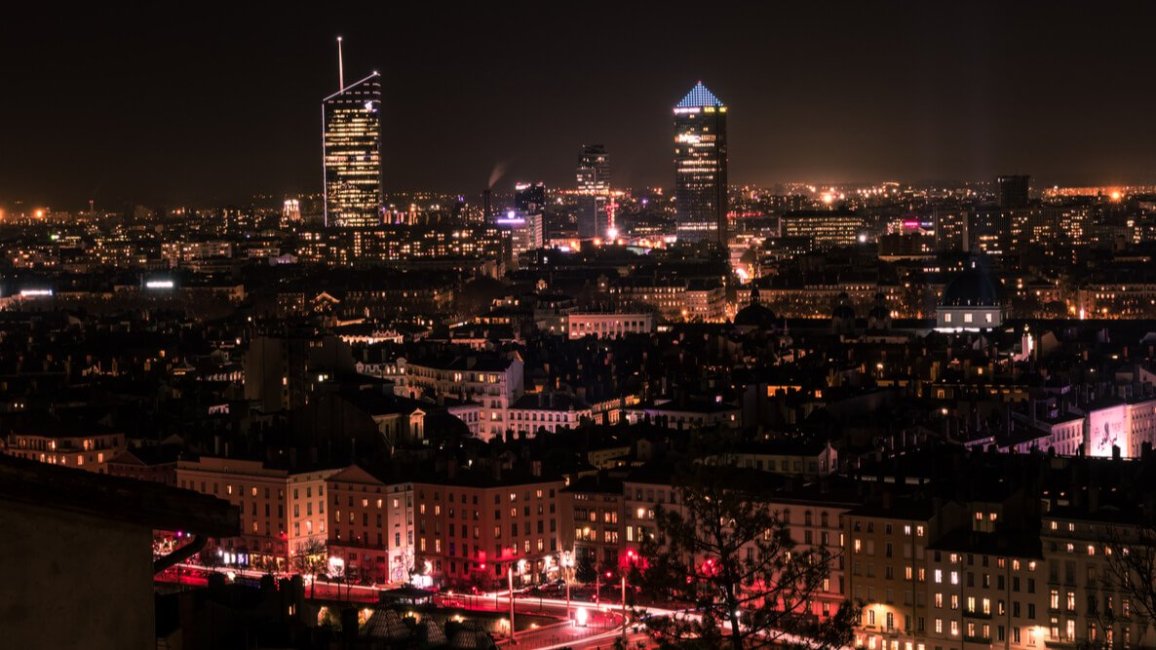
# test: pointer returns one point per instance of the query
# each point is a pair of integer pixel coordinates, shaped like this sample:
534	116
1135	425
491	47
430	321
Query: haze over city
218	102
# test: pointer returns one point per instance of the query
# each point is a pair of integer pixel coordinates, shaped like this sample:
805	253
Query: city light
445	359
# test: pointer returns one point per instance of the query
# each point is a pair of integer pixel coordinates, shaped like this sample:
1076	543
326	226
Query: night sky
214	104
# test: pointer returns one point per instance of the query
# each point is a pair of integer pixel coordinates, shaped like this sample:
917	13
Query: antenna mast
340	67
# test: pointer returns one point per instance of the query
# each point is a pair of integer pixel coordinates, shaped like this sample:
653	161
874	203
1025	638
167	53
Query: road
605	618
193	575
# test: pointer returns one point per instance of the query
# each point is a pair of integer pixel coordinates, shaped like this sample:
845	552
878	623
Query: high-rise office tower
1013	191
593	191
529	198
351	152
700	166
530	204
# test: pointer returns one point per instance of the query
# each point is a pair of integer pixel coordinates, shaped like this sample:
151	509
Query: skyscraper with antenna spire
351	151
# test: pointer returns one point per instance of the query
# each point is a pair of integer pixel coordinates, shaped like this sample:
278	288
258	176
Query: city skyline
645	325
907	95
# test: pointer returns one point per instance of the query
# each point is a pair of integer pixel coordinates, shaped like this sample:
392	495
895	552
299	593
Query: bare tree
1129	581
724	550
309	559
210	559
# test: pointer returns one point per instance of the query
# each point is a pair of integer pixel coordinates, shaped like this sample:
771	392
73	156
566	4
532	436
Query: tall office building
700	166
529	198
1013	191
593	192
351	144
530	204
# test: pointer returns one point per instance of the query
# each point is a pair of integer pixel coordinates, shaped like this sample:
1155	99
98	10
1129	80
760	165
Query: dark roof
1013	543
113	498
843	311
914	509
150	456
755	315
972	288
597	484
552	401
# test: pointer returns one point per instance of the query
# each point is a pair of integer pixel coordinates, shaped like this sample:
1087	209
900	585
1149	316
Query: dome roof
972	288
755	315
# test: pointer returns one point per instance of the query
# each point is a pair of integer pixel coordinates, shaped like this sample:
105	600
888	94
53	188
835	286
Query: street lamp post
510	577
624	604
567	563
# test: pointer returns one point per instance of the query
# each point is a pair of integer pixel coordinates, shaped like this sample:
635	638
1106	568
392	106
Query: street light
567	565
623	604
631	559
510	576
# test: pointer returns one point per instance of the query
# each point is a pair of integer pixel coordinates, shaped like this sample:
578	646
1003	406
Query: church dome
755	315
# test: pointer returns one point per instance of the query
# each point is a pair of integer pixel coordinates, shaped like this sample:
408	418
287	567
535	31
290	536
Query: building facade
593	192
700	166
351	143
493	382
475	530
372	526
280	511
608	325
90	452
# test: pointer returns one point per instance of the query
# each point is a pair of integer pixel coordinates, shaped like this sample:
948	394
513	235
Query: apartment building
280	510
547	411
475	526
592	516
371	526
493	381
68	446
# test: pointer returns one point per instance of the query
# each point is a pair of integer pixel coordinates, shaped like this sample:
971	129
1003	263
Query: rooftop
699	97
125	500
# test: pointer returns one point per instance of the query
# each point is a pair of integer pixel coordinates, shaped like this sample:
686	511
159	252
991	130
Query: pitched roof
698	97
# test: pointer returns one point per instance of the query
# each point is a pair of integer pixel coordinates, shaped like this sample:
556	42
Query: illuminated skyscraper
594	191
351	142
700	166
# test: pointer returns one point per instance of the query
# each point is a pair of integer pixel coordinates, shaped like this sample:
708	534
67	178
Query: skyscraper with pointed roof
700	166
351	143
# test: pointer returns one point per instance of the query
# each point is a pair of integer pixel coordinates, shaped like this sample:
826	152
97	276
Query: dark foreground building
76	554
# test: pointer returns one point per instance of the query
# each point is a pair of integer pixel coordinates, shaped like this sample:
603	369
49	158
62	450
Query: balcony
976	614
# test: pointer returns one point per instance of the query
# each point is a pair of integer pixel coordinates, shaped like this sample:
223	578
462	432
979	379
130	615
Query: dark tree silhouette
309	559
723	549
1128	589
